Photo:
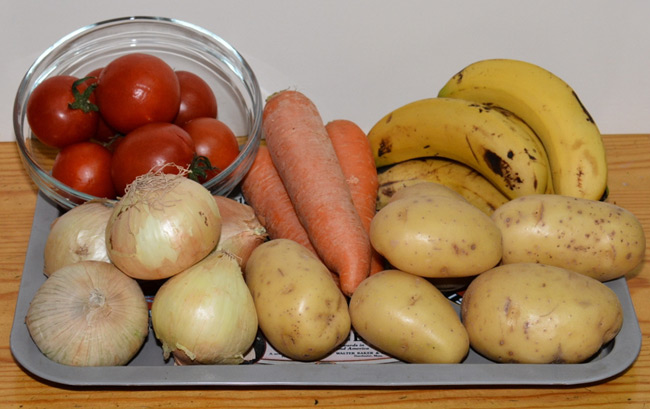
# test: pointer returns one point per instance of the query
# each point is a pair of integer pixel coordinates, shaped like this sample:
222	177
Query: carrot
307	164
264	192
358	165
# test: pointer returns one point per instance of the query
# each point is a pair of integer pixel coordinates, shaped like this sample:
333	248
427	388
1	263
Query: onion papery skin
206	314
241	231
89	314
79	234
164	224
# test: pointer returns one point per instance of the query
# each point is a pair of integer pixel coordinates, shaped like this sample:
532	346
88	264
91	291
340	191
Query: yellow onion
89	314
77	235
241	231
206	314
164	224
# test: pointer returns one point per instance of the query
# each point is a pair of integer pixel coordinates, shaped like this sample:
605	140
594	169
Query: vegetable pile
318	250
130	117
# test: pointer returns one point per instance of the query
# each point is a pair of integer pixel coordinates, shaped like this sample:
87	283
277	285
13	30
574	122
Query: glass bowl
183	46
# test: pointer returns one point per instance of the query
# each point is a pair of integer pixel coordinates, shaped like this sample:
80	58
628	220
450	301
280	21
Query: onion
164	224
206	314
88	314
241	231
77	235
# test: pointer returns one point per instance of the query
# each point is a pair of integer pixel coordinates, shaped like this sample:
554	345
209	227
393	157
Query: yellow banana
538	144
552	109
461	178
474	134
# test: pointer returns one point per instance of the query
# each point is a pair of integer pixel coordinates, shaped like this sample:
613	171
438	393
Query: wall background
359	59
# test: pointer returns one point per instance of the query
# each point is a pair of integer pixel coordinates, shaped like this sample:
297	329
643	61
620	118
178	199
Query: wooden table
629	184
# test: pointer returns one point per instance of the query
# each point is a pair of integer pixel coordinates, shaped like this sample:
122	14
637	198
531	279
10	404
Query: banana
461	178
474	134
538	145
552	109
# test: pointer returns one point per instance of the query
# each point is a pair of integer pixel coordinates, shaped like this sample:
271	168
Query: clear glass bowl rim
246	75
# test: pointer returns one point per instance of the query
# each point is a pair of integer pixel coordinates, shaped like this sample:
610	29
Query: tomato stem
82	100
200	167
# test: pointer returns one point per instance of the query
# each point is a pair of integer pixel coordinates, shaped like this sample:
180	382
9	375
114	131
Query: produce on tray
301	310
153	142
426	189
551	108
241	231
358	165
164	224
409	318
137	89
197	98
264	191
480	190
214	140
61	110
477	135
77	235
598	239
310	171
86	166
455	175
433	235
536	313
205	314
132	116
89	314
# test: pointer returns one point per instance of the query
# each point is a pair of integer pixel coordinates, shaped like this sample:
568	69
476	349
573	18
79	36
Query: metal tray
149	369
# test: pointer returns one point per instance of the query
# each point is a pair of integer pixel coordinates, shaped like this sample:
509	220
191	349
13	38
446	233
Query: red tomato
86	167
214	140
94	74
150	147
104	133
137	89
53	120
197	98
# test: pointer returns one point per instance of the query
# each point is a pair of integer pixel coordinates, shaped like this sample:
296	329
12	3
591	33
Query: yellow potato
436	236
535	313
300	309
406	317
598	239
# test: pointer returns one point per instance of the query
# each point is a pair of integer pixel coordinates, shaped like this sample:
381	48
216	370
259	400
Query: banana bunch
552	109
461	178
518	126
487	139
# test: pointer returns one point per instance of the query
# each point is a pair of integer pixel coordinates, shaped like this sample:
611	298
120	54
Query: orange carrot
307	164
358	164
264	192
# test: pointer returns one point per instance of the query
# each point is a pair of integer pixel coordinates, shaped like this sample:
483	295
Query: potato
300	309
598	239
406	317
436	236
535	313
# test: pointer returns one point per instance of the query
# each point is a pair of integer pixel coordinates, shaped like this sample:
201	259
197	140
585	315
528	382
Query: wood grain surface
629	183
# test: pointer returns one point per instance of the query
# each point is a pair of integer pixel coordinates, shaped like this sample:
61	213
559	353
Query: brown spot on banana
459	77
579	176
530	156
503	169
469	144
385	147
